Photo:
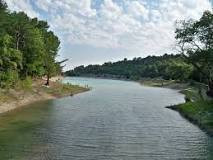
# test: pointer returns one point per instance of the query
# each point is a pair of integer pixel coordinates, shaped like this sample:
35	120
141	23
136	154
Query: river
116	120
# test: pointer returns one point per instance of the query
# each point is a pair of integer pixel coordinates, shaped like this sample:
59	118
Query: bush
8	79
25	84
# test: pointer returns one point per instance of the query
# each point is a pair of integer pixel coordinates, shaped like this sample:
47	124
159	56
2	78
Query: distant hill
166	67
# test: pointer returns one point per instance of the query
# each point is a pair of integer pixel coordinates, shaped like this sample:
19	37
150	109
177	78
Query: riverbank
198	108
193	91
199	113
11	99
163	83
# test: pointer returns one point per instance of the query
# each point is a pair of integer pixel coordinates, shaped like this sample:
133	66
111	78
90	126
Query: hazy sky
96	31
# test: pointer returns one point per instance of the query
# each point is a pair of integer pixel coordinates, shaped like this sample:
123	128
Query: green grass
199	112
191	94
193	91
198	107
25	84
61	90
156	82
3	97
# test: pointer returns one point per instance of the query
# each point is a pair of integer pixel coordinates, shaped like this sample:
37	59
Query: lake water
116	120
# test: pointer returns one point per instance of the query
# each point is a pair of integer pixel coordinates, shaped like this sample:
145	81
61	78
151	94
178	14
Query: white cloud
22	5
137	26
137	10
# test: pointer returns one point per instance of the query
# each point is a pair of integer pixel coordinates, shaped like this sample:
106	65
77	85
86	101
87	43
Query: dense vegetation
166	67
27	48
195	40
199	112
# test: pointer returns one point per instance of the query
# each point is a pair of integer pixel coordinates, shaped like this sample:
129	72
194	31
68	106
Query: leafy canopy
195	40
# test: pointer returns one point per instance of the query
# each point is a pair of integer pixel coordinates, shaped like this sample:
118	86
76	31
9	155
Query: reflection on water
116	120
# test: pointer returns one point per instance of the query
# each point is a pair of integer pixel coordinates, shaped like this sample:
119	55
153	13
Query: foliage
27	48
25	84
10	62
199	112
3	5
166	67
195	40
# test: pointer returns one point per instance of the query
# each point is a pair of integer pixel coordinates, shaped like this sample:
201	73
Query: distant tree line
27	48
166	67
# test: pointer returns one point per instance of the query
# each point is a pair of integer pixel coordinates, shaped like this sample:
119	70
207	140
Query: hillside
166	67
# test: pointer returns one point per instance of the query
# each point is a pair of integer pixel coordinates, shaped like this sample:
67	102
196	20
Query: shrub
25	84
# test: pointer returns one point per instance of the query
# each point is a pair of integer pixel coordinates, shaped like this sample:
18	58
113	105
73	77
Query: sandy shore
24	100
13	99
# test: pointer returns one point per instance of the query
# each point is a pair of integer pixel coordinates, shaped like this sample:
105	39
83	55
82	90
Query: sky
98	31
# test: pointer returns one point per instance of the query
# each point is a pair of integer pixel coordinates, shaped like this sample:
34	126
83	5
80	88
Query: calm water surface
116	120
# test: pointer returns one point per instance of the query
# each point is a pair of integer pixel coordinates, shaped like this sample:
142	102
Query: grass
198	107
60	90
192	94
3	97
156	82
198	112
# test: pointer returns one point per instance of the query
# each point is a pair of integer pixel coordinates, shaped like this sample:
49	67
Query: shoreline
194	93
16	99
197	108
56	90
195	119
146	82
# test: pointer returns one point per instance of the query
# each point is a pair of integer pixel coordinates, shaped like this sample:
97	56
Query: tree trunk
17	44
17	40
210	89
48	80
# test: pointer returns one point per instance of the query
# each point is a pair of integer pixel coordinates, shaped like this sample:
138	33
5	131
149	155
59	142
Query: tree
3	5
165	66
33	53
52	44
10	62
27	47
3	17
19	25
195	39
179	70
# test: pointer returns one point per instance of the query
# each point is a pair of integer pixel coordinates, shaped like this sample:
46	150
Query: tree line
194	61
166	67
27	48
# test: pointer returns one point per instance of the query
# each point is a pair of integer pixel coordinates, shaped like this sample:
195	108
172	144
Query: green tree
3	17
179	70
27	47
33	53
19	25
195	39
10	62
52	44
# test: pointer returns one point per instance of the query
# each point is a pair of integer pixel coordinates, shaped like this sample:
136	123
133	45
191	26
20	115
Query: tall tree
195	39
3	17
10	62
52	44
18	27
